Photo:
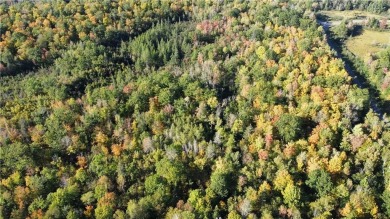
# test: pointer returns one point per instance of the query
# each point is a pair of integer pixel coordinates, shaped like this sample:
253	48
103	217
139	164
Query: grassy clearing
369	42
353	14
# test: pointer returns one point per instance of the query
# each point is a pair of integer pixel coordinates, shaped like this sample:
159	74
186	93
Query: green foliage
340	31
289	127
384	58
291	195
137	210
189	109
221	184
321	181
172	171
379	6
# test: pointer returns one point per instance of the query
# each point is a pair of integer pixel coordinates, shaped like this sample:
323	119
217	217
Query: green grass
369	42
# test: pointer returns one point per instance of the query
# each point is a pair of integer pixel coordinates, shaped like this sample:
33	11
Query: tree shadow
322	17
386	106
113	38
19	67
77	88
357	30
307	127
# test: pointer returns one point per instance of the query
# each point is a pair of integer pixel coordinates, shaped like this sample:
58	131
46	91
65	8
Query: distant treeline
377	6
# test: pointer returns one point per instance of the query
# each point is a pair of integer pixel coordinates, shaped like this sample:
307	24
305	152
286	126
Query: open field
353	14
357	17
368	42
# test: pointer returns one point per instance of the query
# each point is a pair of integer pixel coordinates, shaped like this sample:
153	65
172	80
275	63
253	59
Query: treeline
374	6
200	109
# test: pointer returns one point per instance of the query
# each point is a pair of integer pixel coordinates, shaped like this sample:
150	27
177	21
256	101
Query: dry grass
369	42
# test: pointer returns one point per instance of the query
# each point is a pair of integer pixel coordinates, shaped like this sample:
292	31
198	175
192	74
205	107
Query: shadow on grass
357	30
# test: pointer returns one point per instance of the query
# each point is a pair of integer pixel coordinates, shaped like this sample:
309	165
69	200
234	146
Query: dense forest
185	109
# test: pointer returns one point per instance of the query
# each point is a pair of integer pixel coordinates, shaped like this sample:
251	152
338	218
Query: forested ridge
184	109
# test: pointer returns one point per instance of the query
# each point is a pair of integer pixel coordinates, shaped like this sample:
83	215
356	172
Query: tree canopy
184	109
